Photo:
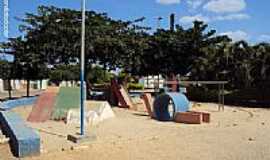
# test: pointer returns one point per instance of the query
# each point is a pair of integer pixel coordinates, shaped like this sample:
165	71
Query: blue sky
240	19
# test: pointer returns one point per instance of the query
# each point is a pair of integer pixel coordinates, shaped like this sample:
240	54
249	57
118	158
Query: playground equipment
43	108
121	95
24	141
147	102
95	112
168	104
67	98
173	106
10	104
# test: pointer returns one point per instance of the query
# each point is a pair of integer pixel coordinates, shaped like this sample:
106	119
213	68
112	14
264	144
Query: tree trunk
40	84
147	81
158	81
9	89
174	81
27	88
125	82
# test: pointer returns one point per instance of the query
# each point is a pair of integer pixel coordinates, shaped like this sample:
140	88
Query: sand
235	134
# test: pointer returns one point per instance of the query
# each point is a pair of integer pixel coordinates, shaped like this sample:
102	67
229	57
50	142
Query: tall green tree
6	73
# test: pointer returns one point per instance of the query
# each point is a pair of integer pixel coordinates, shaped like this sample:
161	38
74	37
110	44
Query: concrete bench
24	141
205	116
192	117
10	104
188	118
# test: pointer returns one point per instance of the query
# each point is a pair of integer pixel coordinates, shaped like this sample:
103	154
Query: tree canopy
51	46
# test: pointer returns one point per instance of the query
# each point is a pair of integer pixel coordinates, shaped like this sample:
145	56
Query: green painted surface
67	98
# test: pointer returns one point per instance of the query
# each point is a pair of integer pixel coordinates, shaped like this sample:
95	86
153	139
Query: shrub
98	75
202	94
135	86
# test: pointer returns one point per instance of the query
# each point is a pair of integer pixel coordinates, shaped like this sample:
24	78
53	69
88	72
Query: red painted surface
43	108
188	118
205	116
122	95
147	99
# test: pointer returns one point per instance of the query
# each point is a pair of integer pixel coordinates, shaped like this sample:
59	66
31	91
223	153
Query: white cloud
264	38
236	35
168	2
237	16
194	4
191	19
207	19
225	6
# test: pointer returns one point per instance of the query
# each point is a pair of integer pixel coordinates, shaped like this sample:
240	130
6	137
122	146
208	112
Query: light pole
82	66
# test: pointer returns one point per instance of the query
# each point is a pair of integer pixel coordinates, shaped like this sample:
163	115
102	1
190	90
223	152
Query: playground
144	125
133	135
90	82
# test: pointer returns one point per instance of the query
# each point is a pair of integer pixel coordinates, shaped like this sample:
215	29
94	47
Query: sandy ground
235	134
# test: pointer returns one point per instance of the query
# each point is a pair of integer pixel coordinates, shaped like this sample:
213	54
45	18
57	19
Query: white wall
152	80
1	85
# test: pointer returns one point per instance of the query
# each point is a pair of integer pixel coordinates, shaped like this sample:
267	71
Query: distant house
22	84
151	82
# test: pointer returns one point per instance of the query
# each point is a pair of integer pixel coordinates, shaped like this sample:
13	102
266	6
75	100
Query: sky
239	19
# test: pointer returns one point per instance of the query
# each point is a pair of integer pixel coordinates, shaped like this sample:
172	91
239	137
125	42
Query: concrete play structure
67	98
95	112
10	104
168	104
43	107
24	141
147	102
62	103
173	106
121	95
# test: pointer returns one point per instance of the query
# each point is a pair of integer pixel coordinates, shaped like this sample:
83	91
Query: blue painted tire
162	103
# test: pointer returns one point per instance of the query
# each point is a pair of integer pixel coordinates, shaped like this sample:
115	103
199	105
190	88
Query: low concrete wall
10	104
24	141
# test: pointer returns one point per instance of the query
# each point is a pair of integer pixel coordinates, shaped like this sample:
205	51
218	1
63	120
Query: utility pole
172	21
82	137
82	86
6	19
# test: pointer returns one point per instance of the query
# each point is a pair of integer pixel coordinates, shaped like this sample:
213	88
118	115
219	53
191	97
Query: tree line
51	47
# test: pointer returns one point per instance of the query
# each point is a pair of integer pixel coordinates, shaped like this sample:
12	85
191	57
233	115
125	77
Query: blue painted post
82	66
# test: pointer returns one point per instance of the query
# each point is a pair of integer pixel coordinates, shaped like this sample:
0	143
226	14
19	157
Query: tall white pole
6	19
82	67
